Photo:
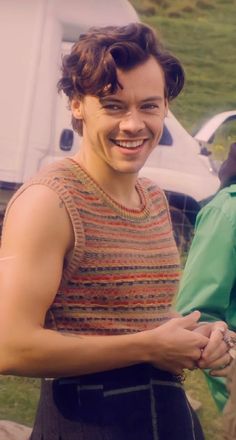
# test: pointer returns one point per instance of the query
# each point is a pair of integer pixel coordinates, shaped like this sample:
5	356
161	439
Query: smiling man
86	300
120	130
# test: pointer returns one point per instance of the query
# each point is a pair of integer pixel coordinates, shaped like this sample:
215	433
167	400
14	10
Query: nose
132	122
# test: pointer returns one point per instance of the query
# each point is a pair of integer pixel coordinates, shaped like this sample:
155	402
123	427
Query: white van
35	126
33	35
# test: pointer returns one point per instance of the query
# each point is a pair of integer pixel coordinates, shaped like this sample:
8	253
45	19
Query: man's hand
215	355
175	346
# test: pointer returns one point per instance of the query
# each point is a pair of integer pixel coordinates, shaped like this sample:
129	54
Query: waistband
141	374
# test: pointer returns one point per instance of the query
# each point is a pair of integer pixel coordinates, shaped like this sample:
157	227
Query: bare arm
37	236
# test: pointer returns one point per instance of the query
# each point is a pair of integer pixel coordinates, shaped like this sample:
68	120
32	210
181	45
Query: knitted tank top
124	268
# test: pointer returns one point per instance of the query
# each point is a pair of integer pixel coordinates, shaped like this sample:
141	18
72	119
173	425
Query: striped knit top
124	269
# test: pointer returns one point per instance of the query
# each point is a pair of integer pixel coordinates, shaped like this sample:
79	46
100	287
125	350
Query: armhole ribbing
151	187
73	212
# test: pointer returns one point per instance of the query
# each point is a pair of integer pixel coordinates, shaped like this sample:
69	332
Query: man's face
121	130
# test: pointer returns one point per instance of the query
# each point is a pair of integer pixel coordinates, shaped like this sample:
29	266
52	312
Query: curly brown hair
91	67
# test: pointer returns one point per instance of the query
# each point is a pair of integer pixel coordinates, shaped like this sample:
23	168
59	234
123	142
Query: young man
90	266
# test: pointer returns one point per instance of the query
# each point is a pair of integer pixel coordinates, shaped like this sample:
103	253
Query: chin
128	170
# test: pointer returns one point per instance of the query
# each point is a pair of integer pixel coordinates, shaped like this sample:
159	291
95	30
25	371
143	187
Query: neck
121	187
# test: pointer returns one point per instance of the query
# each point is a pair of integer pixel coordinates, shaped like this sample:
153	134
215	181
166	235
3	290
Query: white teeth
129	144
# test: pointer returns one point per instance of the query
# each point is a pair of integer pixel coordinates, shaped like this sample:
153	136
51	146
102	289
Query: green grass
211	419
204	40
18	399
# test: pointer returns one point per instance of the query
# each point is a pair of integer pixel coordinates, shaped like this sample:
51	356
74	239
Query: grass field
202	34
18	399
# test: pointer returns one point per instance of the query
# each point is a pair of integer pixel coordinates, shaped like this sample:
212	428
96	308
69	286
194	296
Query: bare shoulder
36	194
37	214
35	240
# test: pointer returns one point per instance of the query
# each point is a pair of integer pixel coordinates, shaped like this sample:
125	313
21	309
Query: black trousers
133	403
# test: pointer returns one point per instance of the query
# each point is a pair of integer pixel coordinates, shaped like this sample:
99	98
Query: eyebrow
153	98
111	98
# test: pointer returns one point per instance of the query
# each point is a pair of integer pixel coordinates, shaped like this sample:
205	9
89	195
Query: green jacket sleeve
209	274
208	281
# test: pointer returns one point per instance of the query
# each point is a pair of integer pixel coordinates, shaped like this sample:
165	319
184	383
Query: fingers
218	364
204	329
191	362
181	347
220	325
215	349
222	372
189	321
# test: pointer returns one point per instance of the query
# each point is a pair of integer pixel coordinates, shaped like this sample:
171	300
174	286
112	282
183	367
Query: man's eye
150	106
112	107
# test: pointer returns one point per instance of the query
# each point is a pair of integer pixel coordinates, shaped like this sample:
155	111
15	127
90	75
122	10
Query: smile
129	144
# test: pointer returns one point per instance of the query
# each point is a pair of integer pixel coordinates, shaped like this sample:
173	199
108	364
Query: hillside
202	34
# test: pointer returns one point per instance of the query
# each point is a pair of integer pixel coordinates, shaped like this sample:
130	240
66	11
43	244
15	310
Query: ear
76	108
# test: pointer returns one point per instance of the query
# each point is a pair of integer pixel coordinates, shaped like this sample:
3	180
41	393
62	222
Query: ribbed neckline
129	213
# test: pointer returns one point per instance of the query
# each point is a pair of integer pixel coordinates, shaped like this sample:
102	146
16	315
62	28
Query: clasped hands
219	352
186	343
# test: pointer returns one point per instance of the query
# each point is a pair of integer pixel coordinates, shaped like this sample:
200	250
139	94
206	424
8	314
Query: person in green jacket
208	283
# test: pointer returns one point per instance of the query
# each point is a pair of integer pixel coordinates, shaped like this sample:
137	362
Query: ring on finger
228	340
